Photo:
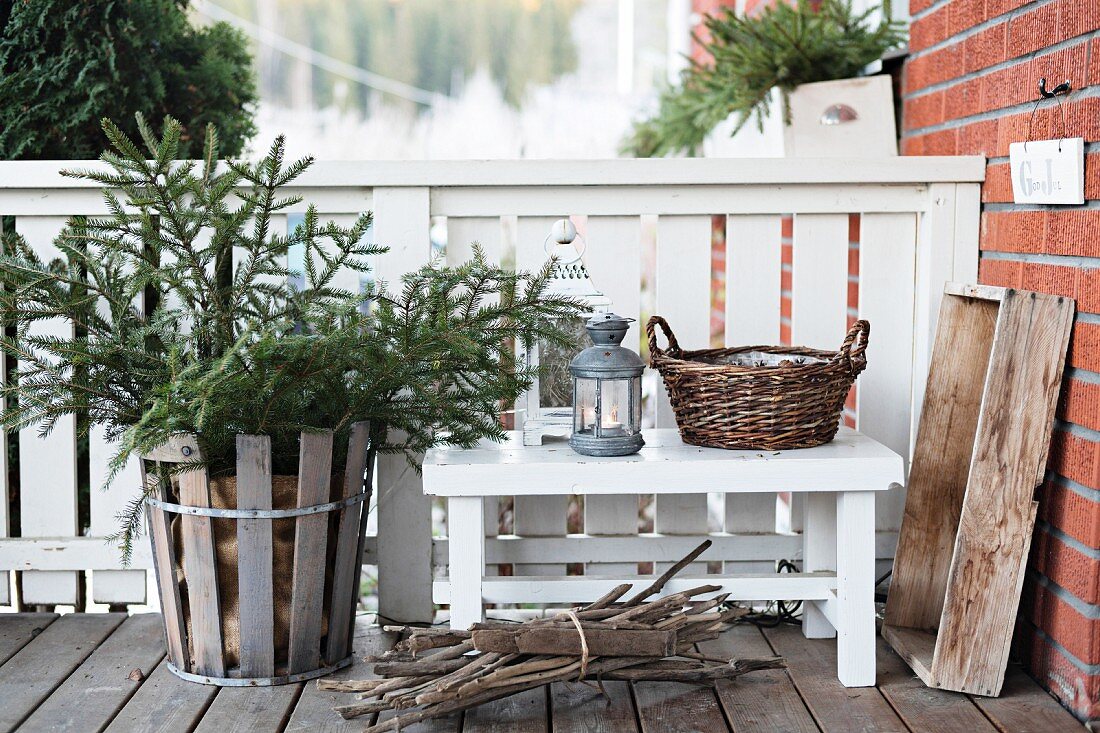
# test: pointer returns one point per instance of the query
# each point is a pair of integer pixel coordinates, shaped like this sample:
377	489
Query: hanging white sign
1048	171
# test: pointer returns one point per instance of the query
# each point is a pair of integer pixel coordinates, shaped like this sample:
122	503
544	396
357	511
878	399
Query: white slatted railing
919	227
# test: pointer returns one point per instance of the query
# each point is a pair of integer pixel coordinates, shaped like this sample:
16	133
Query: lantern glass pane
555	381
584	411
637	389
615	408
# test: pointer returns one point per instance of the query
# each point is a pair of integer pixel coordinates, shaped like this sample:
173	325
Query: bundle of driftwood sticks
434	671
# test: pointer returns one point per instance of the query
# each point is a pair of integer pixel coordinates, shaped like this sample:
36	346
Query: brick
1071	569
923	111
963	15
853	238
1076	458
992	137
1077	633
929	30
986	48
1071	512
1084	346
934	68
916	6
1075	688
998	184
1080	403
1003	273
1059	232
1092	76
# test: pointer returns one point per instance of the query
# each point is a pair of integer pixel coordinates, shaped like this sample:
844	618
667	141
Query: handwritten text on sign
1048	171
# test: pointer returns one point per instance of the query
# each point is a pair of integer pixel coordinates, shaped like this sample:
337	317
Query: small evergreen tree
227	344
66	65
784	46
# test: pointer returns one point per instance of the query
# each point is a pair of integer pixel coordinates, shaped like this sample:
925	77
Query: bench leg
818	553
855	576
466	528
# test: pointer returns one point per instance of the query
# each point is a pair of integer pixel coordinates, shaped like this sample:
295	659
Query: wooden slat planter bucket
293	545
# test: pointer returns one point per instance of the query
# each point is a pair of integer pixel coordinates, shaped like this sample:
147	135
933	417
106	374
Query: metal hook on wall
1056	94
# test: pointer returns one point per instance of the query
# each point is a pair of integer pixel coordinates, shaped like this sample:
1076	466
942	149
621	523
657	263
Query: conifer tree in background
65	65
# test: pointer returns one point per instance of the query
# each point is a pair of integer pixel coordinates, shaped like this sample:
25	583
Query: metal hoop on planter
195	649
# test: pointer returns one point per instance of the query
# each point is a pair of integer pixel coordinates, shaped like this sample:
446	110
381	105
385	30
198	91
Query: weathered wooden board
345	578
577	708
310	548
522	713
255	557
17	630
91	697
163	704
38	668
941	462
673	707
200	570
566	640
164	564
981	451
998	515
252	709
761	702
812	666
314	712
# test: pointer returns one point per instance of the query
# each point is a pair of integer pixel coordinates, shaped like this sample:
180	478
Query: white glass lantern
548	406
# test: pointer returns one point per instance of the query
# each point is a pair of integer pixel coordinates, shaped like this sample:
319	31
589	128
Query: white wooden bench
839	478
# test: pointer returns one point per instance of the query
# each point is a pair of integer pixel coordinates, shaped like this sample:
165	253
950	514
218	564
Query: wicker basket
759	397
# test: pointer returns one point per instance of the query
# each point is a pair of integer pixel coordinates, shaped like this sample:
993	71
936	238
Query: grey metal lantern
607	391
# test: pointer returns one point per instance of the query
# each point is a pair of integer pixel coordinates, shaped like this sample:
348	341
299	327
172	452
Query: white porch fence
919	228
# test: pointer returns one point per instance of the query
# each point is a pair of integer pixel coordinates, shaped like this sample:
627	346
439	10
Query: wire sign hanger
1048	171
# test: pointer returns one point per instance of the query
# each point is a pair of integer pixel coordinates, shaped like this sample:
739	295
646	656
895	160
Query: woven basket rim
686	358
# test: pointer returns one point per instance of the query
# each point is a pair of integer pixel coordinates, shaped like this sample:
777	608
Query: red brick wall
969	88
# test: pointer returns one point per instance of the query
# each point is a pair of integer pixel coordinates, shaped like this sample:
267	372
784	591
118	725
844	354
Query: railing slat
753	290
887	273
614	261
310	551
47	466
402	217
683	298
537	516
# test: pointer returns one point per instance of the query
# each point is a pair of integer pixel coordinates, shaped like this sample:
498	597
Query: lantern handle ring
547	245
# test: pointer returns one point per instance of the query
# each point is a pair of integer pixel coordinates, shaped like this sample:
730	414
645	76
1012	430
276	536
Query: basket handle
650	331
855	345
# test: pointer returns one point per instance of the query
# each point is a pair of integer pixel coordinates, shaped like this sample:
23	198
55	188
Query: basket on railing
759	397
258	574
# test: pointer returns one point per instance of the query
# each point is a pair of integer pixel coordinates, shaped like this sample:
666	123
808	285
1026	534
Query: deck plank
1025	707
314	711
164	704
812	666
250	709
38	668
577	708
525	712
92	695
673	707
17	629
921	707
763	701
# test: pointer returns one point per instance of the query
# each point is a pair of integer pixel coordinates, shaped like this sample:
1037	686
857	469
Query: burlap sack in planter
284	495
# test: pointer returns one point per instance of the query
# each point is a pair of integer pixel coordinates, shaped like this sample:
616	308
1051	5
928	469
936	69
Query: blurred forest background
466	79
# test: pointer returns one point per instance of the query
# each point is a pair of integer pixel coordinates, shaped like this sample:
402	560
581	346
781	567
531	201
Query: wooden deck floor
93	672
